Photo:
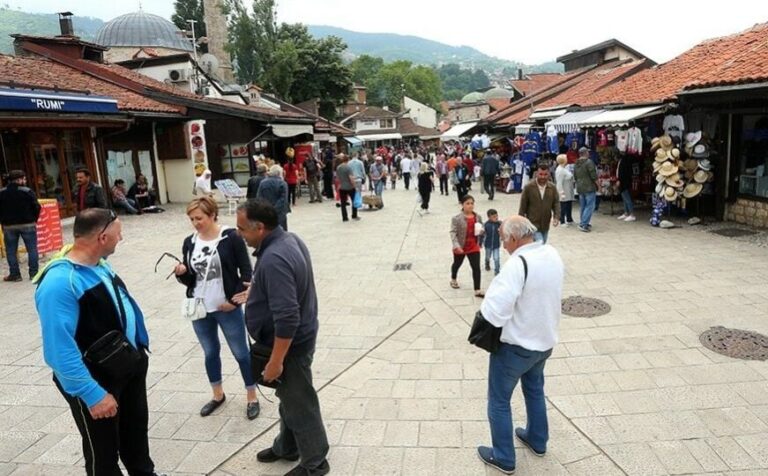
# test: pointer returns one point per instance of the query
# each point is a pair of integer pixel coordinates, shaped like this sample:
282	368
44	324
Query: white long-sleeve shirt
528	310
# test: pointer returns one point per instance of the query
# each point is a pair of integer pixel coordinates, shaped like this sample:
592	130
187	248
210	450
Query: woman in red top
291	173
466	242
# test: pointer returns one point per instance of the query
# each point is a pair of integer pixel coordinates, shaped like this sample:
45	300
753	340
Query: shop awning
49	101
621	117
291	130
457	131
353	140
548	114
571	121
375	137
523	129
322	137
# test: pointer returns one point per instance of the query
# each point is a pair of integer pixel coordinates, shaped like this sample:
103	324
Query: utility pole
194	50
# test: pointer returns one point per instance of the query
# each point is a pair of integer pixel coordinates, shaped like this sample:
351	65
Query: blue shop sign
49	101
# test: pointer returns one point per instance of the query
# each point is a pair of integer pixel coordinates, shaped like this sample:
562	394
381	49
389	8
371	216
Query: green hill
418	50
15	21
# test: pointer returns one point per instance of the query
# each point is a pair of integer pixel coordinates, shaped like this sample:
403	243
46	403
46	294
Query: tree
460	81
190	10
365	68
400	78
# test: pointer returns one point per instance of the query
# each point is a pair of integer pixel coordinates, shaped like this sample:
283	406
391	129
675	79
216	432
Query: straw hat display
692	189
667	169
680	176
675	181
670	194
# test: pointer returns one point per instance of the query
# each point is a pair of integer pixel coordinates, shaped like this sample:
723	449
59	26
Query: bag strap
123	318
525	269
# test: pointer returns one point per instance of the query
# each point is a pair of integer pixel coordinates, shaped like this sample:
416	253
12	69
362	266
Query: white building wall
421	114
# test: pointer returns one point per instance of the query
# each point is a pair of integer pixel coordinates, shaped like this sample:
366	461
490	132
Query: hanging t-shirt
208	287
621	140
674	126
602	138
634	141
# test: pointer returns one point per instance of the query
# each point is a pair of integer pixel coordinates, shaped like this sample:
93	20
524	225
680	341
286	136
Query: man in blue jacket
281	313
80	299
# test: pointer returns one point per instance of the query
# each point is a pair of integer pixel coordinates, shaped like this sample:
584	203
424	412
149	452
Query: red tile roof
535	82
407	127
734	59
47	74
498	104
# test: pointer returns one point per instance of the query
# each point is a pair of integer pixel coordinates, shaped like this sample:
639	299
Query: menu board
234	162
49	237
197	146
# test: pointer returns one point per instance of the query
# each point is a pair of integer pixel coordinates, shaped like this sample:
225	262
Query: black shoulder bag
484	334
112	355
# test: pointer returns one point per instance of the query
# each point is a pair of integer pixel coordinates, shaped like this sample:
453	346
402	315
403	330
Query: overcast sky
529	31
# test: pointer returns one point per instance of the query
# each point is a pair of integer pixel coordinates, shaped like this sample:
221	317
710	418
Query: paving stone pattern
402	392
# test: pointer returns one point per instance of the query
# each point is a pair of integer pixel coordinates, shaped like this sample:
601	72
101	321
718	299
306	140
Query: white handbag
193	308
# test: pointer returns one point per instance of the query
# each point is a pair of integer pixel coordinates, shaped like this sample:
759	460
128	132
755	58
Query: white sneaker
630	218
564	225
622	216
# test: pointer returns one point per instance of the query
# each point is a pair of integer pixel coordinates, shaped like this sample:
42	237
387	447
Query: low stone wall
749	212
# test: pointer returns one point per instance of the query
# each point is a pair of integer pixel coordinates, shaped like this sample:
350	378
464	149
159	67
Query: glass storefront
753	160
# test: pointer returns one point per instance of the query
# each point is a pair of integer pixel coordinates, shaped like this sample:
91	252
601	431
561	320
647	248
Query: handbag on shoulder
484	334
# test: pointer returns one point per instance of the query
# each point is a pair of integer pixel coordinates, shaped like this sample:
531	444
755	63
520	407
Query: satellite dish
209	63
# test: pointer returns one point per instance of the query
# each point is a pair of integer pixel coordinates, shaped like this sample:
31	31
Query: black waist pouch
113	356
260	355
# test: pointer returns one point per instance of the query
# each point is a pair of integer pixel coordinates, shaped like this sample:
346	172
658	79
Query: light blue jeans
493	253
629	207
508	365
586	207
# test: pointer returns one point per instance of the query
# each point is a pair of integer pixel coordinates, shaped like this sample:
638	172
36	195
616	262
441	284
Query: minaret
216	32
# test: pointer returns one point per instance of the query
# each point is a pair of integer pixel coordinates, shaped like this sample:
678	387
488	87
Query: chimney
65	24
519	73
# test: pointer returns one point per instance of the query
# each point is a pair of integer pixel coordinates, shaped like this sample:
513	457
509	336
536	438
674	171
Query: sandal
454	284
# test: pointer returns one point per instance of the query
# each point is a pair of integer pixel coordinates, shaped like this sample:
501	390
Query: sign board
49	101
229	188
49	237
196	137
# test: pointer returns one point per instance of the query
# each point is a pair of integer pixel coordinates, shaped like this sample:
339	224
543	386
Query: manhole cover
736	343
403	266
734	232
580	306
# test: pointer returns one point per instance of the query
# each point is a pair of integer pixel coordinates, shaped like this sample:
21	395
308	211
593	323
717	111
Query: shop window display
754	156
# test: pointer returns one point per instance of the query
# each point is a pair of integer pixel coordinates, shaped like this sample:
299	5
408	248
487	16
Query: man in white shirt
524	300
405	166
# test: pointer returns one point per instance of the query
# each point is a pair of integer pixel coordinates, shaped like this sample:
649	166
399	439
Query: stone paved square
402	392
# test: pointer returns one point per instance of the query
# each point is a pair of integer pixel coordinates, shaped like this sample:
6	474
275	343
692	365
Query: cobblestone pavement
630	392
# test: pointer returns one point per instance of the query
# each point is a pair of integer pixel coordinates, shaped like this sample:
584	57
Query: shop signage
48	101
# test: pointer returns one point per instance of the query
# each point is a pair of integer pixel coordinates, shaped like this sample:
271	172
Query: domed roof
473	97
142	29
497	93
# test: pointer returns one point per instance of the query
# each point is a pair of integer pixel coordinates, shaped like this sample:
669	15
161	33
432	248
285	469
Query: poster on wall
49	235
197	146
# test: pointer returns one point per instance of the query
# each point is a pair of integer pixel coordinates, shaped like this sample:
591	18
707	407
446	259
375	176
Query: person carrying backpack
312	172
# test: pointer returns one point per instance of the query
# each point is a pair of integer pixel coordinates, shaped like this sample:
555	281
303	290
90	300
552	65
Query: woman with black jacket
216	266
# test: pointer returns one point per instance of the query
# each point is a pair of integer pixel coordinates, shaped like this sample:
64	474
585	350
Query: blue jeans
378	186
128	205
629	207
508	365
586	207
232	325
11	237
493	253
541	236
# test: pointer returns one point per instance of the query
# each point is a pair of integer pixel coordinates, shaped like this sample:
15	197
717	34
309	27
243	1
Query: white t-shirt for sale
211	287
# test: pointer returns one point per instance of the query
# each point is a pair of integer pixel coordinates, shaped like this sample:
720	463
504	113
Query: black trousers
425	199
301	425
124	435
489	185
461	190
407	179
474	263
444	184
347	196
292	193
328	185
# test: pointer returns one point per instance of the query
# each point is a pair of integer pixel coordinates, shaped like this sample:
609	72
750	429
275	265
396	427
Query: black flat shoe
211	406
269	456
252	410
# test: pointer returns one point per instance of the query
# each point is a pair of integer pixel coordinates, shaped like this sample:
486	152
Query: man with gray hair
524	300
255	181
585	173
274	190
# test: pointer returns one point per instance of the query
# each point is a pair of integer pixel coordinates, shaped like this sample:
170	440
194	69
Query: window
754	155
387	123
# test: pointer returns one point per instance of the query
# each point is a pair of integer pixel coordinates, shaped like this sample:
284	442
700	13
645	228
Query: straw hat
700	151
656	166
666	224
668	169
692	138
700	176
655	143
705	164
691	165
665	142
692	189
689	174
661	156
660	188
670	194
675	153
674	181
661	178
